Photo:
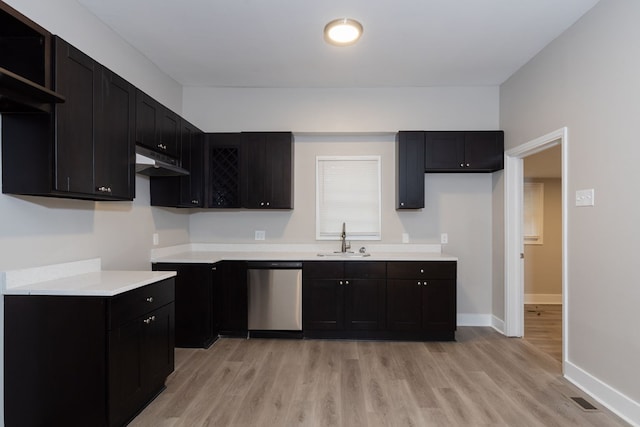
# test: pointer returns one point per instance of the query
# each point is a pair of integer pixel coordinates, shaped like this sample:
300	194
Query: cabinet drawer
135	303
365	270
421	270
323	269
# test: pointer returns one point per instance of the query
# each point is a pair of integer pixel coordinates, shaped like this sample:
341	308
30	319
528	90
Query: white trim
472	319
543	299
617	402
497	324
514	245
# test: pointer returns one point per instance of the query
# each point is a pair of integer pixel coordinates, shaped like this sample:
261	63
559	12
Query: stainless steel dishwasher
275	298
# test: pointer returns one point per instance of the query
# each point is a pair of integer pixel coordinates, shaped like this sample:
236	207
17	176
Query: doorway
542	228
514	236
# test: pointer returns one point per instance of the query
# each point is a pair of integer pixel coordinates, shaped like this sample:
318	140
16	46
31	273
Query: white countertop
210	253
80	278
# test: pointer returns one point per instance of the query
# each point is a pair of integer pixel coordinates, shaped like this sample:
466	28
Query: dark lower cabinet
86	361
379	300
232	293
195	303
421	299
343	299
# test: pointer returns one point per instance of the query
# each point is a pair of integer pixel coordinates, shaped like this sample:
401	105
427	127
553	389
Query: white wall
38	231
359	122
587	80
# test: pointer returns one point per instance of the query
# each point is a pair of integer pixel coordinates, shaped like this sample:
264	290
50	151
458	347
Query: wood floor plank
483	379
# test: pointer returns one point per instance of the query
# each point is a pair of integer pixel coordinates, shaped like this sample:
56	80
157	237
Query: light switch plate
260	235
585	197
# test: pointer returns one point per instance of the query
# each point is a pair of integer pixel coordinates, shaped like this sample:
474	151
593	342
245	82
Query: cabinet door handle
267	203
195	202
104	189
401	203
214	268
419	283
149	299
346	282
162	146
461	165
149	319
421	270
468	165
340	282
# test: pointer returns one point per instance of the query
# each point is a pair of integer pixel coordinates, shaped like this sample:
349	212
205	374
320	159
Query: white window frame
349	215
533	213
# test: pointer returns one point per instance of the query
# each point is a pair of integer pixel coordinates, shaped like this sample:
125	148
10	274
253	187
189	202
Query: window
348	190
533	200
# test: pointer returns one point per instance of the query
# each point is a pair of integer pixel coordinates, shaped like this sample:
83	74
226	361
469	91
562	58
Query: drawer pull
150	319
421	270
149	299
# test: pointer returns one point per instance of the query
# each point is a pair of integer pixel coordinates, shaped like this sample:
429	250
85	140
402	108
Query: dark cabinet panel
195	303
421	298
222	170
233	298
157	127
114	144
76	77
343	296
85	148
410	167
183	191
94	360
472	151
404	305
267	172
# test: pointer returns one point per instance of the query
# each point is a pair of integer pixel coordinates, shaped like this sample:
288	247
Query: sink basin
344	254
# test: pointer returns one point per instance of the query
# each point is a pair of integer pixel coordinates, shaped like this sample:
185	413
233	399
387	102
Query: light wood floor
543	328
483	379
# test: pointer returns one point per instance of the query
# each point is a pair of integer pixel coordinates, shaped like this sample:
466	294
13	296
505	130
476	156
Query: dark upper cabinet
472	151
114	136
157	127
25	64
222	170
410	170
267	172
185	191
84	149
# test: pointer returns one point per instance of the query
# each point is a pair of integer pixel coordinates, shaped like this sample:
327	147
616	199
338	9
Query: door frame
514	241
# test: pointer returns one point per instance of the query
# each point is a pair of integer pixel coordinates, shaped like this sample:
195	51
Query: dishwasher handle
274	265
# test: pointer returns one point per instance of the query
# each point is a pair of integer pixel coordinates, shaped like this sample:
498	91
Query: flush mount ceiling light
342	32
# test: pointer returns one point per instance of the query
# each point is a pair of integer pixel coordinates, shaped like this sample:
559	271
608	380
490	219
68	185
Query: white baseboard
543	298
466	319
497	324
618	403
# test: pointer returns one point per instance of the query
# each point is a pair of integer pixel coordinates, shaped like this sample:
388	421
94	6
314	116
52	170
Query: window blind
348	190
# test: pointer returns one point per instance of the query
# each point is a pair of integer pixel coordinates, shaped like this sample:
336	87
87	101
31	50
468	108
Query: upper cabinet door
410	170
114	145
444	151
484	151
157	127
268	171
76	78
471	151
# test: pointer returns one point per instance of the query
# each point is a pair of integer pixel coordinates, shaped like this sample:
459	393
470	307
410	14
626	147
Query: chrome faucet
343	237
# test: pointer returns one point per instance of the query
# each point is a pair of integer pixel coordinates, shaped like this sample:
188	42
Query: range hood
151	163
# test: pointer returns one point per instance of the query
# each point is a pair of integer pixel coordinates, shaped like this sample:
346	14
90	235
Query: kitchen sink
345	254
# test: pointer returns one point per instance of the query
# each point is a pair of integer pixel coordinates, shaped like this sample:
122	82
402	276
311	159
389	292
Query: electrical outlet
156	239
444	238
405	237
260	235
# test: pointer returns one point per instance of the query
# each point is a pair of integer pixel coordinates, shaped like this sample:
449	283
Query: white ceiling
279	43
